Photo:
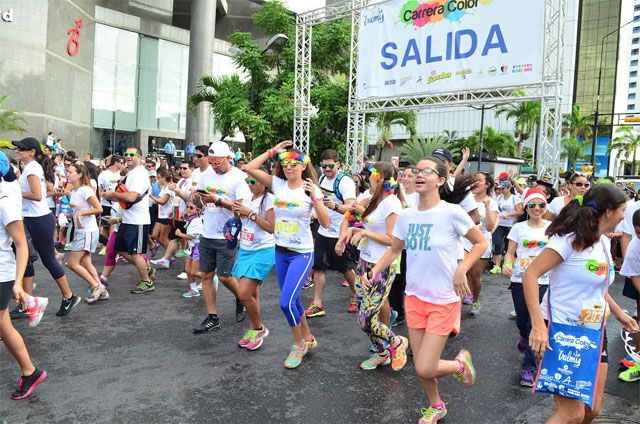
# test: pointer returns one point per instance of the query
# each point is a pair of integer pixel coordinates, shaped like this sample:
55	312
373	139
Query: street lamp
597	112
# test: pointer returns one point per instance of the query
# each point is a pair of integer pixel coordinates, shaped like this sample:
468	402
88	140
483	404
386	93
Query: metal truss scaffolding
548	91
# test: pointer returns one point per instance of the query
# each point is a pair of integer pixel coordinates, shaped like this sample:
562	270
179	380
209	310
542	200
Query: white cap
220	149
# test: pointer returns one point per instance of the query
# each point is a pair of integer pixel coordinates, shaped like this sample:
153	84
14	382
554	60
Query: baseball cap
220	149
503	176
153	174
506	183
231	230
442	153
28	144
521	181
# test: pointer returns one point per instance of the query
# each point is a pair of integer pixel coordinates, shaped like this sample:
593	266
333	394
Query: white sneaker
199	286
475	309
164	263
182	276
513	315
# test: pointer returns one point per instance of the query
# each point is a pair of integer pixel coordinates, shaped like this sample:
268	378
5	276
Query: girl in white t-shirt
510	208
297	196
373	239
526	240
164	200
436	283
488	209
256	257
194	229
85	205
578	186
580	266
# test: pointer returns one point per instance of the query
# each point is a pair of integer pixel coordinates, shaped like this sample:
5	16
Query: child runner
297	196
256	257
431	233
164	200
373	240
526	241
85	206
577	301
195	228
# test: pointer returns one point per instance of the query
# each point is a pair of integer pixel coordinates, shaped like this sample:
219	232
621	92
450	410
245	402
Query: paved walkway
134	358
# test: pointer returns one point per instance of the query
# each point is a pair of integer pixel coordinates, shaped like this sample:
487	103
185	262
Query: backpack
122	188
336	185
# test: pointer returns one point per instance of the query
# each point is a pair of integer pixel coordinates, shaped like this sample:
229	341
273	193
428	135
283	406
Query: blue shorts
254	264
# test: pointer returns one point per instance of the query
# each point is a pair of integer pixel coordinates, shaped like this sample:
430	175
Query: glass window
632	85
634	62
634	51
633	74
635	41
631	107
632	96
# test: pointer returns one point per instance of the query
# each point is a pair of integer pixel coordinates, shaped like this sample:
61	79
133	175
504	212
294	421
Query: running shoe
18	312
28	383
191	293
295	356
241	312
432	415
68	246
104	295
67	305
103	281
315	311
373	348
144	287
182	276
257	338
199	285
123	260
172	261
154	249
103	251
513	315
308	283
181	253
496	270
37	310
399	354
95	293
399	321
151	272
311	343
392	318
467	376
475	309
630	375
209	323
376	360
468	300
345	283
522	344
527	378
244	341
162	262
59	256
353	306
626	362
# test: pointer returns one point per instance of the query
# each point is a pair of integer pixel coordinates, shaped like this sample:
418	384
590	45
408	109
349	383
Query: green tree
385	120
417	148
626	144
10	120
576	125
526	115
496	143
527	156
573	149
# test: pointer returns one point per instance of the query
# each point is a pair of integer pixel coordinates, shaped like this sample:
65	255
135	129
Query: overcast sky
299	6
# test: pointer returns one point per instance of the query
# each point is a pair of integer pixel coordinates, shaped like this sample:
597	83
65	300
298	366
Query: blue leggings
41	230
292	271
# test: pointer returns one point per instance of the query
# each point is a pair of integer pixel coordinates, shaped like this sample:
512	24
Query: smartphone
202	191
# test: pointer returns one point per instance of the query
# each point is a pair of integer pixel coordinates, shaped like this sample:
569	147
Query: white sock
104	278
193	286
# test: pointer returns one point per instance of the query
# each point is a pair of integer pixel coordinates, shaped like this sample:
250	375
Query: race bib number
592	314
525	262
246	235
286	227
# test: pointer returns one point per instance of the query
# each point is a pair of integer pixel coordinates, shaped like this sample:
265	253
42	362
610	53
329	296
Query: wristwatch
335	207
253	216
218	202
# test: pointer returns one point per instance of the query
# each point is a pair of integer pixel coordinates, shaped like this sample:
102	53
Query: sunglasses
541	205
290	163
149	166
580	185
217	162
67	165
251	181
130	154
192	208
199	156
328	165
184	169
425	171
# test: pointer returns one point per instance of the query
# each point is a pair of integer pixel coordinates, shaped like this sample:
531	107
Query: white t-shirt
188	185
252	237
163	210
432	241
33	208
51	201
631	265
230	186
578	284
556	205
412	199
79	202
363	196
371	251
116	213
195	228
293	209
482	210
529	243
108	181
8	213
138	181
627	226
507	206
347	189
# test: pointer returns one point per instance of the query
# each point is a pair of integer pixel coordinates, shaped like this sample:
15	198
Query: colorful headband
375	174
355	219
580	199
294	156
390	185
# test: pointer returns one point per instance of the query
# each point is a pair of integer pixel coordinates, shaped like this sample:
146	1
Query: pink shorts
432	317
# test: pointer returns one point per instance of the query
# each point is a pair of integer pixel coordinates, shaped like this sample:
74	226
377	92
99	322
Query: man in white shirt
339	195
131	240
219	187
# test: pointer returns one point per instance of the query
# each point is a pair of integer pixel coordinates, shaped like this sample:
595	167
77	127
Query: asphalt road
134	358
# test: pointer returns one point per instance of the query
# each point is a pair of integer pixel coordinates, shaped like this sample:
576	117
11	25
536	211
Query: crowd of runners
412	244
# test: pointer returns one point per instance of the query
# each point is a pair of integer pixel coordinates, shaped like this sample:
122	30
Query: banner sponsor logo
570	340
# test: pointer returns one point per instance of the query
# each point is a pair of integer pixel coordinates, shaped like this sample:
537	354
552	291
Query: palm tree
450	136
573	149
576	125
417	149
526	115
10	120
626	144
500	144
385	120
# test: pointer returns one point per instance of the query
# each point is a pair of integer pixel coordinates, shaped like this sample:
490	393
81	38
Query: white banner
412	47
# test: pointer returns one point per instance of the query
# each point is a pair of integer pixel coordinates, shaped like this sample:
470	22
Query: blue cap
231	231
5	166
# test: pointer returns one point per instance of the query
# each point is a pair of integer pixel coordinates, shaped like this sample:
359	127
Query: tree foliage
573	150
626	143
11	120
497	143
526	116
384	122
416	149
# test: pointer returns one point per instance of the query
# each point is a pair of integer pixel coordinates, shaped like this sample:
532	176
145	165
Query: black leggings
396	295
41	229
500	242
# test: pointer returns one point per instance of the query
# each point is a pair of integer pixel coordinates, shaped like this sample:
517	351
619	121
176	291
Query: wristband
507	263
318	200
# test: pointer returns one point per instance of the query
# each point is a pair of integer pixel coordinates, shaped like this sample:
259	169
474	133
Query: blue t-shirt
170	148
190	149
156	189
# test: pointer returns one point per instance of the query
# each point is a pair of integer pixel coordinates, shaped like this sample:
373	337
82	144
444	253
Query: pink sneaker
103	281
468	300
257	337
245	339
154	249
345	283
36	311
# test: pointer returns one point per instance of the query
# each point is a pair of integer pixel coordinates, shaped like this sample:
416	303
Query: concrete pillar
203	25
